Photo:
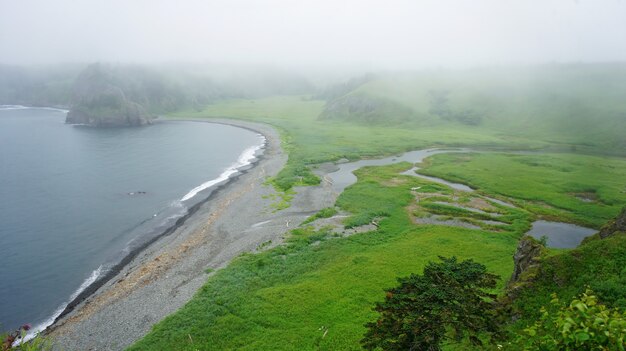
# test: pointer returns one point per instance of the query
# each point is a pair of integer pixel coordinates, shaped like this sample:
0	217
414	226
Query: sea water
75	200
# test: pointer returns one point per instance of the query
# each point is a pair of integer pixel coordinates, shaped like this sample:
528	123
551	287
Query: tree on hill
447	302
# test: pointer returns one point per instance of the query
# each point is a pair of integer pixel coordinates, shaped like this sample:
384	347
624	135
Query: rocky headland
99	102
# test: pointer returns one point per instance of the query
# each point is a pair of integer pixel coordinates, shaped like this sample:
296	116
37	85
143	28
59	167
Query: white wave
48	322
20	107
12	107
244	159
53	109
260	224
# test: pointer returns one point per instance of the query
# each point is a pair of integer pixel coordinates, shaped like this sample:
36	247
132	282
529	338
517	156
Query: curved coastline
117	268
90	300
238	213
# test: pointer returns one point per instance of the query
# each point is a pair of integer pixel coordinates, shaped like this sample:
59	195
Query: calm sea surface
75	200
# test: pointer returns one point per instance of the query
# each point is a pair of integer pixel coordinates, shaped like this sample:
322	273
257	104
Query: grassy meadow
583	189
316	291
311	140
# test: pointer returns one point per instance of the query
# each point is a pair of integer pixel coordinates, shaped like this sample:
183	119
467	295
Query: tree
448	301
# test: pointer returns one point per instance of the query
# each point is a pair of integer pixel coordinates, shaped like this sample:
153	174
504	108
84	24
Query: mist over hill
569	104
136	93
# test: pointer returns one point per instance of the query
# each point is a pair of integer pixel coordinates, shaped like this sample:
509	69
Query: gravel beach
162	278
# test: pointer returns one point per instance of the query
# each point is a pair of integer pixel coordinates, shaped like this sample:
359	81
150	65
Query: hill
100	101
576	106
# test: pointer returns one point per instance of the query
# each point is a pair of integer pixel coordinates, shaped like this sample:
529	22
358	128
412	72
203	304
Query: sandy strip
162	278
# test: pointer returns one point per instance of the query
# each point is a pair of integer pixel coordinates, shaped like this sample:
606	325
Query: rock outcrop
616	226
525	258
97	101
526	268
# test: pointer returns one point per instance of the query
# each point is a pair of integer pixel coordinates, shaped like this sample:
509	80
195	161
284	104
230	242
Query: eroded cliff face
614	227
532	266
97	101
529	250
526	257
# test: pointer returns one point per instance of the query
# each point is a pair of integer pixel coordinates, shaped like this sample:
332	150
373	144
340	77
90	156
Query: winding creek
558	234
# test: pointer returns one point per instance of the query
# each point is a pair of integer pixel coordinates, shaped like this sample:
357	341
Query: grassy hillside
316	292
560	108
578	106
598	265
310	140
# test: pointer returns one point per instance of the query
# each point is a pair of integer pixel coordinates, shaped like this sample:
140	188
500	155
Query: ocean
76	200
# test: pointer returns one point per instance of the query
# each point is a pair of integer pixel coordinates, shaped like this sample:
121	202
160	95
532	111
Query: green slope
317	292
580	106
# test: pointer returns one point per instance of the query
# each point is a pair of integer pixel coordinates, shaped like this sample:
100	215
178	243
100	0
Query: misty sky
386	34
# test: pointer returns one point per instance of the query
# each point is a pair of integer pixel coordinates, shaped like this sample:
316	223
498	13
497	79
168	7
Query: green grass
309	140
578	107
575	108
323	213
599	265
288	297
545	184
316	291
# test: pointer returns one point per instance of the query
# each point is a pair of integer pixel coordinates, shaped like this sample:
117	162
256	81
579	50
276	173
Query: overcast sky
385	34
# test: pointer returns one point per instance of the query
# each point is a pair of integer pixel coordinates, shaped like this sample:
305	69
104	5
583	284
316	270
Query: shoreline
163	274
112	272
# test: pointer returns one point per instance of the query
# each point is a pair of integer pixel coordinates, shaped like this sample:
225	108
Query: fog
370	34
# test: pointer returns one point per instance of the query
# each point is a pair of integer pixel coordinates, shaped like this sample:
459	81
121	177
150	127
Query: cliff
98	101
614	227
598	264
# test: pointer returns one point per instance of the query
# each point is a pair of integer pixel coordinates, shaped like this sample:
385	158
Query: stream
559	234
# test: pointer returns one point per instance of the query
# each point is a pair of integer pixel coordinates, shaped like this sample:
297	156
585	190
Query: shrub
584	324
16	341
448	301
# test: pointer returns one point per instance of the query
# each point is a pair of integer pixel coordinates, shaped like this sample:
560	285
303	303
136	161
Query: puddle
560	235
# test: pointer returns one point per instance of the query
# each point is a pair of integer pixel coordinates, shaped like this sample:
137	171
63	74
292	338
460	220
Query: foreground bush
448	302
582	325
14	341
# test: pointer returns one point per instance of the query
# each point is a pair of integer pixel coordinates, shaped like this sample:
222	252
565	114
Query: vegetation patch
542	183
323	213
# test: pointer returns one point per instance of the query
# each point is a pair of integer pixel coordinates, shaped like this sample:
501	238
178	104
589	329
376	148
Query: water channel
559	235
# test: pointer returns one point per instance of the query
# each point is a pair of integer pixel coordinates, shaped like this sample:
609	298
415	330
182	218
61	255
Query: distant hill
564	104
49	86
101	100
139	91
